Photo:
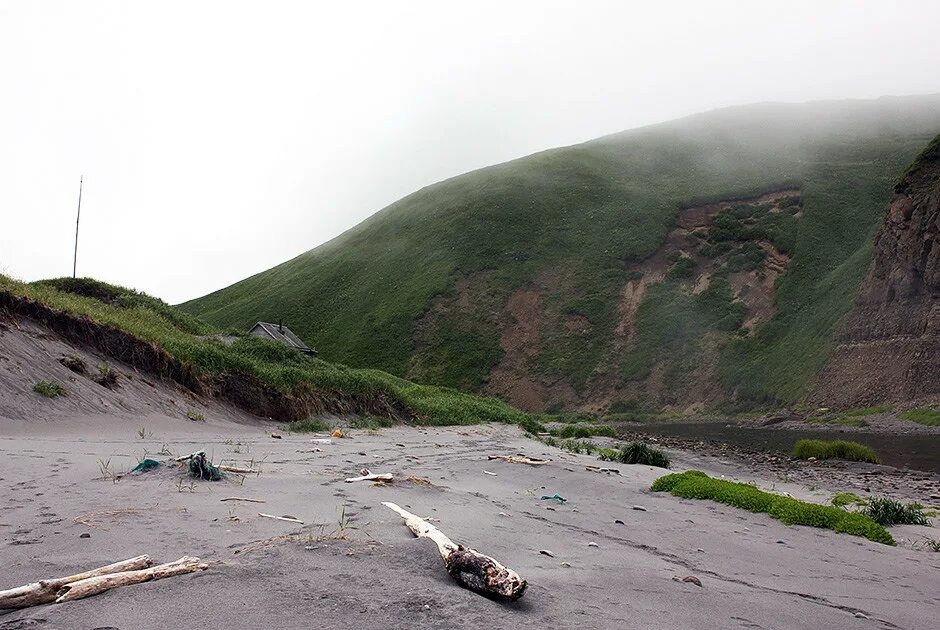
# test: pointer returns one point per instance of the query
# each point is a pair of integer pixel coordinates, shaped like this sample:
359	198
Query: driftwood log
471	569
98	584
46	591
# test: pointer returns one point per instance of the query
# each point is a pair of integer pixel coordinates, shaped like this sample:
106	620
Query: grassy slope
592	210
180	335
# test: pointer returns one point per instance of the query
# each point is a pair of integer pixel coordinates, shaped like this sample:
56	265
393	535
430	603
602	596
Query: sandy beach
617	549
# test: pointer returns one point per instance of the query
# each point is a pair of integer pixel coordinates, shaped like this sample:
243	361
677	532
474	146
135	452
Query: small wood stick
242	499
289	519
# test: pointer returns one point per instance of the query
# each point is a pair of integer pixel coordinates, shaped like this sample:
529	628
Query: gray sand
366	570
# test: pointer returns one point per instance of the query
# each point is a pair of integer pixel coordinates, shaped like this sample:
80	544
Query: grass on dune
835	449
189	340
929	416
697	485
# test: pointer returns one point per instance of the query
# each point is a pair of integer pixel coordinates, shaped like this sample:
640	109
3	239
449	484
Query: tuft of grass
929	416
49	389
888	511
309	425
835	449
579	446
694	484
195	415
106	376
641	453
584	431
74	363
842	499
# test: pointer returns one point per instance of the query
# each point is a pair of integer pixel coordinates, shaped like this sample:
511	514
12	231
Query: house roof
283	334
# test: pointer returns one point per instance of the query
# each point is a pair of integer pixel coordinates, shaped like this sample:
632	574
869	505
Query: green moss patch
835	449
694	484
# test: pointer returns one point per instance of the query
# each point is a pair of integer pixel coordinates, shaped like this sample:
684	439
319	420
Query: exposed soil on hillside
889	346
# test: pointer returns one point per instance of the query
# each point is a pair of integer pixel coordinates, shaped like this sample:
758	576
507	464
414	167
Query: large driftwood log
469	568
99	584
45	591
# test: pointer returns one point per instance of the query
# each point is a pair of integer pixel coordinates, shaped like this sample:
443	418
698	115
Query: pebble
546	552
861	615
567	565
593	544
618	522
640	508
85	535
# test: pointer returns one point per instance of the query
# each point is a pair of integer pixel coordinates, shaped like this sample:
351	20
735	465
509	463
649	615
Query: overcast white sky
218	139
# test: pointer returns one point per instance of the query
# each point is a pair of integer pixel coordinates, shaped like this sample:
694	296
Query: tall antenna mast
77	219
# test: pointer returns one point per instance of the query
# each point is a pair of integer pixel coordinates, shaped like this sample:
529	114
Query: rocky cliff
889	345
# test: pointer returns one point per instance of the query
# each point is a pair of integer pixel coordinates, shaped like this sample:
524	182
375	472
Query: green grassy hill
579	277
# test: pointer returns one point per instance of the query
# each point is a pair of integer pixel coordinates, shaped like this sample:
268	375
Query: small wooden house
281	334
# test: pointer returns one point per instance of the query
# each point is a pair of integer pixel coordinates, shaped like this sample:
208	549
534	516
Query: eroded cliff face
889	345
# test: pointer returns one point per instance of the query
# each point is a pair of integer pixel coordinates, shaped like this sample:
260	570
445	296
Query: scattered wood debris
242	499
601	469
469	568
518	459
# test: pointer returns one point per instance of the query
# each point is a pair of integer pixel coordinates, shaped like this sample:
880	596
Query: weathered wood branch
99	584
237	469
45	591
368	475
242	499
471	569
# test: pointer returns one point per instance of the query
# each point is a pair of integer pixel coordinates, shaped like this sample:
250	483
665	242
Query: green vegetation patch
929	416
584	431
888	511
694	484
308	425
843	499
193	343
49	389
835	449
637	453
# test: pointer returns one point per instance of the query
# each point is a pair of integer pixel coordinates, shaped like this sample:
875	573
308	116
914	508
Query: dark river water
920	452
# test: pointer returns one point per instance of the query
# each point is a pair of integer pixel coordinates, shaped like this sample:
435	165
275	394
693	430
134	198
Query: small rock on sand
640	508
546	552
593	544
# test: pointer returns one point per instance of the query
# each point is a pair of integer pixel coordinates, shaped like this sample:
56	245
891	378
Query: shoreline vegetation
694	484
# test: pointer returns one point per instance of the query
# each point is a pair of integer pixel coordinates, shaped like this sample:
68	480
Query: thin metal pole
77	219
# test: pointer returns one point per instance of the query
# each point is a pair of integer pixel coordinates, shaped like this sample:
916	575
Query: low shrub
642	453
195	415
308	425
49	389
835	449
584	431
694	484
887	511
